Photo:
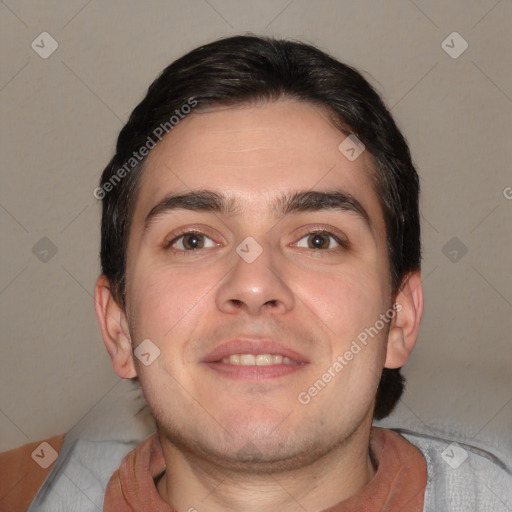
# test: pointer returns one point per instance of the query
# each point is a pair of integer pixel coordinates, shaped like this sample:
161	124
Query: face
214	287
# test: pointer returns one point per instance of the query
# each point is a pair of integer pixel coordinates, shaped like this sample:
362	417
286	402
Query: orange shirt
398	485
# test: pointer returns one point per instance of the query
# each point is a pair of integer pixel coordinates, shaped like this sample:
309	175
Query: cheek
165	302
347	301
166	306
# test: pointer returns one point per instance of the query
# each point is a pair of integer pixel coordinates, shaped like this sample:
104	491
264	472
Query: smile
257	359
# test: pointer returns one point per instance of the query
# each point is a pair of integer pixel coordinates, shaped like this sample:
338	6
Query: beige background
60	119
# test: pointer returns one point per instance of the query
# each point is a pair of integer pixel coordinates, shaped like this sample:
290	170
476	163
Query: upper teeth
258	360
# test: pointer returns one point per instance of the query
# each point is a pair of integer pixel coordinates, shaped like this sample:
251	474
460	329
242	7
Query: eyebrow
302	201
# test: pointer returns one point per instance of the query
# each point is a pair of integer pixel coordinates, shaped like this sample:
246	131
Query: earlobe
114	329
397	353
404	329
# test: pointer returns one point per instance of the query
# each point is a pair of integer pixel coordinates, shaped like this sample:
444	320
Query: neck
192	482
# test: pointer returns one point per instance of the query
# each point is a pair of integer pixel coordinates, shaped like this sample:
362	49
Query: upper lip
244	345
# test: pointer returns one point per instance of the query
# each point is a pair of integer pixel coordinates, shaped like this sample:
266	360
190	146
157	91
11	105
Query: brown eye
323	240
191	241
318	241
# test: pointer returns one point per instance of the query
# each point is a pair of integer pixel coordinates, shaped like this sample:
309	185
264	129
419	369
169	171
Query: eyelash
344	244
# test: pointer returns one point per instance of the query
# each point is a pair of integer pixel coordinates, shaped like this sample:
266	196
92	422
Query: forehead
253	153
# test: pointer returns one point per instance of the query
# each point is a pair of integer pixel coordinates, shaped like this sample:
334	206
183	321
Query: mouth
257	360
254	359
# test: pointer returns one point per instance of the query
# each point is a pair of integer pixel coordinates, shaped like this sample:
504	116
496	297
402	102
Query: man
260	260
261	278
274	222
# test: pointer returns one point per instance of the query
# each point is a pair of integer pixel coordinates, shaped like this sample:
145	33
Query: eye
190	241
320	239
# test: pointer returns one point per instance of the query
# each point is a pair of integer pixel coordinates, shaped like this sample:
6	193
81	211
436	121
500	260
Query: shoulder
23	471
462	475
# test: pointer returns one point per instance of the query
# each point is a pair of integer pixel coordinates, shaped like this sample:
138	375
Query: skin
314	300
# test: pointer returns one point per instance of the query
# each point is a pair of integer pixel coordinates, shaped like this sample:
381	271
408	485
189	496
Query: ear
404	329
114	329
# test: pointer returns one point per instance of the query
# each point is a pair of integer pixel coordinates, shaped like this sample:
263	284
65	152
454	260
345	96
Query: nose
255	287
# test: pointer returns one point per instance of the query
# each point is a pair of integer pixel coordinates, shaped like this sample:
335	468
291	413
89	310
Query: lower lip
255	372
